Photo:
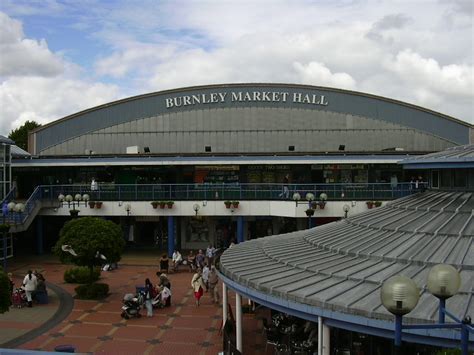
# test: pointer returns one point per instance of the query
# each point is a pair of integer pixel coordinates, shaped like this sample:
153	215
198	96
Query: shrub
81	275
92	291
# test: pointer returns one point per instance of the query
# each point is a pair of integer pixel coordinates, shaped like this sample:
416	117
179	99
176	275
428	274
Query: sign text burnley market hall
246	96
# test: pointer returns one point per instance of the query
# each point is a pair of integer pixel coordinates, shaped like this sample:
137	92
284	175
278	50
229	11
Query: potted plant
170	204
322	204
155	204
227	203
98	204
370	204
4	227
235	204
378	203
162	204
91	204
309	212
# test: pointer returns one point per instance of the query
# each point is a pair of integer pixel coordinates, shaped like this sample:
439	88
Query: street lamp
400	295
346	209
443	282
196	208
128	208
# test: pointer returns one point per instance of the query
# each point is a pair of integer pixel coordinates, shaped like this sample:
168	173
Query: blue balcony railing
177	192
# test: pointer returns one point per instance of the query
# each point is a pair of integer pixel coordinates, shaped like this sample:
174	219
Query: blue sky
60	57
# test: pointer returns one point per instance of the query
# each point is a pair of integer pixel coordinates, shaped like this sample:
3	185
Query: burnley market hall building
222	164
217	164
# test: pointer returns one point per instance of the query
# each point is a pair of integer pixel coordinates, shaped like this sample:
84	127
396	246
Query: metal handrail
230	191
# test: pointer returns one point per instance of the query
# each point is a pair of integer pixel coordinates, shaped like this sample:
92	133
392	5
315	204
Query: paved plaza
96	326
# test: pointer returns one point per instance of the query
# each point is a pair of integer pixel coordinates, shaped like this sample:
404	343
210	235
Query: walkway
96	326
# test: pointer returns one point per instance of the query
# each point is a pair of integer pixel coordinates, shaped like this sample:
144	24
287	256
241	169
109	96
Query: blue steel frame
447	337
463	326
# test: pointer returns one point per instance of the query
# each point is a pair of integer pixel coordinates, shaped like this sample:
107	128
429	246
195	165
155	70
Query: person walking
286	190
198	286
149	292
12	286
29	282
213	281
205	275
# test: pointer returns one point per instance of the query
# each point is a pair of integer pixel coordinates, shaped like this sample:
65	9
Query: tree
88	237
20	135
4	292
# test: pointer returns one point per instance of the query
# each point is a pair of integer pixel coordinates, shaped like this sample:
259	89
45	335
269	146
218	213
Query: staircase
21	218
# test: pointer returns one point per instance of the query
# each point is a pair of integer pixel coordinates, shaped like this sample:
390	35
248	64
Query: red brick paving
96	327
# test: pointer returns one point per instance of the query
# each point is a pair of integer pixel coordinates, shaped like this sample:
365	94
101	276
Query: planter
74	213
309	212
322	204
170	204
377	203
91	204
155	204
235	204
98	204
370	204
313	205
4	228
227	204
162	204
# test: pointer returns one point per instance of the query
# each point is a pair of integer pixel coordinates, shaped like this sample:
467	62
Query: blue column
398	330
442	308
171	235
39	235
240	229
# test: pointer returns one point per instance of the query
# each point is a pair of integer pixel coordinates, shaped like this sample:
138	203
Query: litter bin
65	349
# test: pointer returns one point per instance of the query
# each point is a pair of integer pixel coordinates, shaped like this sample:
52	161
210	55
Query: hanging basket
309	212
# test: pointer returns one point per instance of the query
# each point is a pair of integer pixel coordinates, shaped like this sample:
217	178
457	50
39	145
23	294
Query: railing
163	192
19	217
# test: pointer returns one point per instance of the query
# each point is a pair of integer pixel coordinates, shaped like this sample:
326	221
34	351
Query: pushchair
131	306
19	298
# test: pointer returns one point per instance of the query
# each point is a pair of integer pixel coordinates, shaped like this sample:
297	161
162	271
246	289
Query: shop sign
246	96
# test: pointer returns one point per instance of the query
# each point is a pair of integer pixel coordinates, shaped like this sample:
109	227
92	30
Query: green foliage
92	291
4	227
81	275
20	135
4	292
87	236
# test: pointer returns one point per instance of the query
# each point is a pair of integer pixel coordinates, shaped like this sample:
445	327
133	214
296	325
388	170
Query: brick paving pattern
96	326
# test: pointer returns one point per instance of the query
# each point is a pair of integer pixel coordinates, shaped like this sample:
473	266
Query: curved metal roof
455	155
260	95
6	140
341	266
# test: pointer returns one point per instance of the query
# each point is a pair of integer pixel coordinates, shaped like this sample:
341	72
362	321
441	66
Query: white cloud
47	99
315	72
379	47
22	56
37	84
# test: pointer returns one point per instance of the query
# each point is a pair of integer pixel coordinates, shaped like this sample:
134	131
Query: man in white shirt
29	283
177	259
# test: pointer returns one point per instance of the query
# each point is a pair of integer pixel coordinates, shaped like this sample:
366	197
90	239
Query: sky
58	57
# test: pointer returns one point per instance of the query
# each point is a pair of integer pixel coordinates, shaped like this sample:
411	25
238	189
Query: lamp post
73	200
196	208
346	209
400	295
128	209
